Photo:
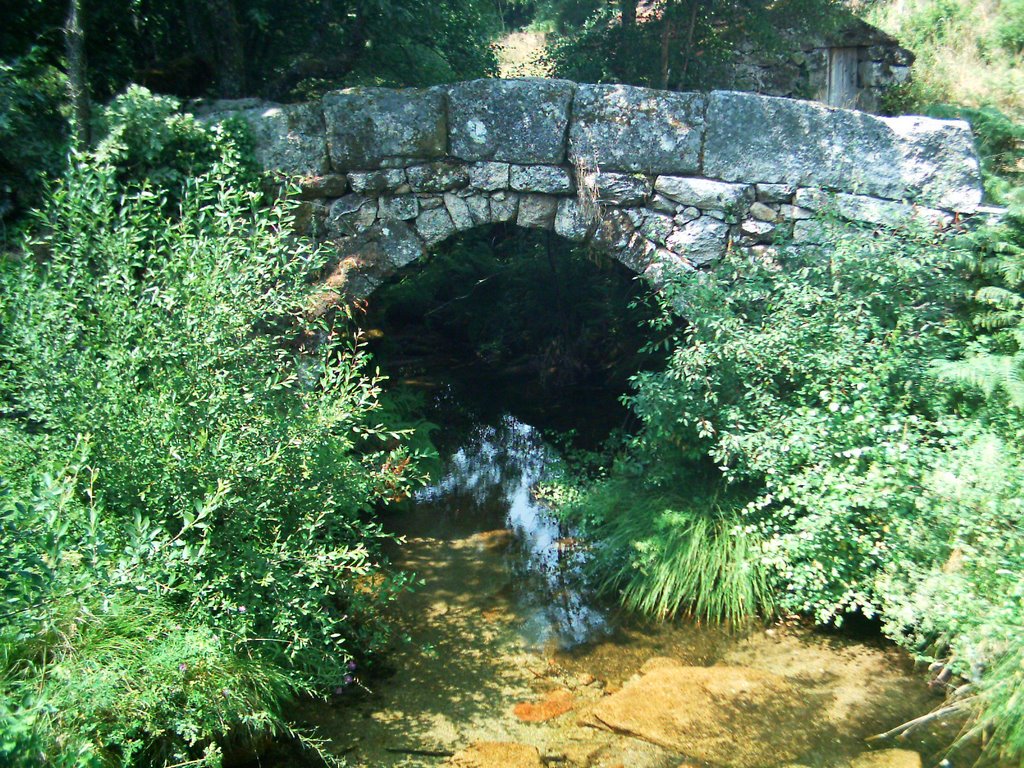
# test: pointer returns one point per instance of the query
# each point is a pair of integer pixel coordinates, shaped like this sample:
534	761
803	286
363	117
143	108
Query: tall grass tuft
668	556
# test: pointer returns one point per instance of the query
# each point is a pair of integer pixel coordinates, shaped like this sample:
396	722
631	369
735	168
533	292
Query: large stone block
571	221
625	128
623	188
703	193
512	121
768	140
551	179
537	211
288	138
701	241
351	215
368	127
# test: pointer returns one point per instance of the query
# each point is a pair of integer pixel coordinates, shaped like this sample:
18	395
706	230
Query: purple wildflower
351	666
348	679
183	667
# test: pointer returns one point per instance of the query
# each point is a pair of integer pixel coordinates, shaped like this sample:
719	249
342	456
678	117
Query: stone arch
651	177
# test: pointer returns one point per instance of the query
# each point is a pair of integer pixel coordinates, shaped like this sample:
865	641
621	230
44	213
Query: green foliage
191	459
802	390
994	362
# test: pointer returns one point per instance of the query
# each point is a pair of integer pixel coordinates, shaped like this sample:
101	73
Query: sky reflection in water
495	470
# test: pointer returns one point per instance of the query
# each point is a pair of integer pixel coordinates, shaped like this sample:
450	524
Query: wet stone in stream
506	647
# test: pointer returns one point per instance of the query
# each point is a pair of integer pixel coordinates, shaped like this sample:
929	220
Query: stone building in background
850	67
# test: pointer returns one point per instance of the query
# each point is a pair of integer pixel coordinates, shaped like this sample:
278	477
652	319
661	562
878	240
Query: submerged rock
731	716
496	754
556	703
887	758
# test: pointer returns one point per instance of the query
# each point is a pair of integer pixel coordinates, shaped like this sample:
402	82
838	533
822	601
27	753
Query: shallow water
502	618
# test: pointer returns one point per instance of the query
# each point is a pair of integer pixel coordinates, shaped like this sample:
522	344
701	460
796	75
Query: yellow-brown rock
729	716
496	754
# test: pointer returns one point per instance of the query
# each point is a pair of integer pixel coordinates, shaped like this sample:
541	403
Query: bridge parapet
654	177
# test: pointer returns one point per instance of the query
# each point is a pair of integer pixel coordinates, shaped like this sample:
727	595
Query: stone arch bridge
653	178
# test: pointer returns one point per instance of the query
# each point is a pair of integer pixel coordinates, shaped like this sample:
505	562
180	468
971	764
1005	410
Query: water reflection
493	472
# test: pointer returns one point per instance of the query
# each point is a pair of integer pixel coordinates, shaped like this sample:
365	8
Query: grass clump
667	556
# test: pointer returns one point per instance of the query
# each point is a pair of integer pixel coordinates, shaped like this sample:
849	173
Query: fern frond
989	373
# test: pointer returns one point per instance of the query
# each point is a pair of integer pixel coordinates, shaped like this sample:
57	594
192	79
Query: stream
503	642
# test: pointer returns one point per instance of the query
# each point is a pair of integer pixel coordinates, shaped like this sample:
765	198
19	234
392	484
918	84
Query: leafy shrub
190	451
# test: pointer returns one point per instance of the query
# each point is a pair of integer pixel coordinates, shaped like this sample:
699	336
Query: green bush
191	459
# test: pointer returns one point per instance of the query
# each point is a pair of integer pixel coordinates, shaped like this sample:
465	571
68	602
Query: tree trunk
628	14
688	48
78	86
217	39
667	33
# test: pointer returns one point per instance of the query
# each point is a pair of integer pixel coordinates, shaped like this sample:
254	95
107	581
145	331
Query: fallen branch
902	730
419	752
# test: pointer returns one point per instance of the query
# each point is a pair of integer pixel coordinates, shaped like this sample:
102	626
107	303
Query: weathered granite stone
399	243
637	254
490	177
657	227
756	231
635	216
319	187
311	218
792	212
702	193
459	211
762	212
366	126
351	214
571	221
811	231
774	193
479	208
552	179
813	199
398	208
537	211
887	212
375	182
613	231
504	206
625	128
662	204
437	177
514	121
763	139
429	202
701	241
435	225
287	138
686	214
623	188
664	264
